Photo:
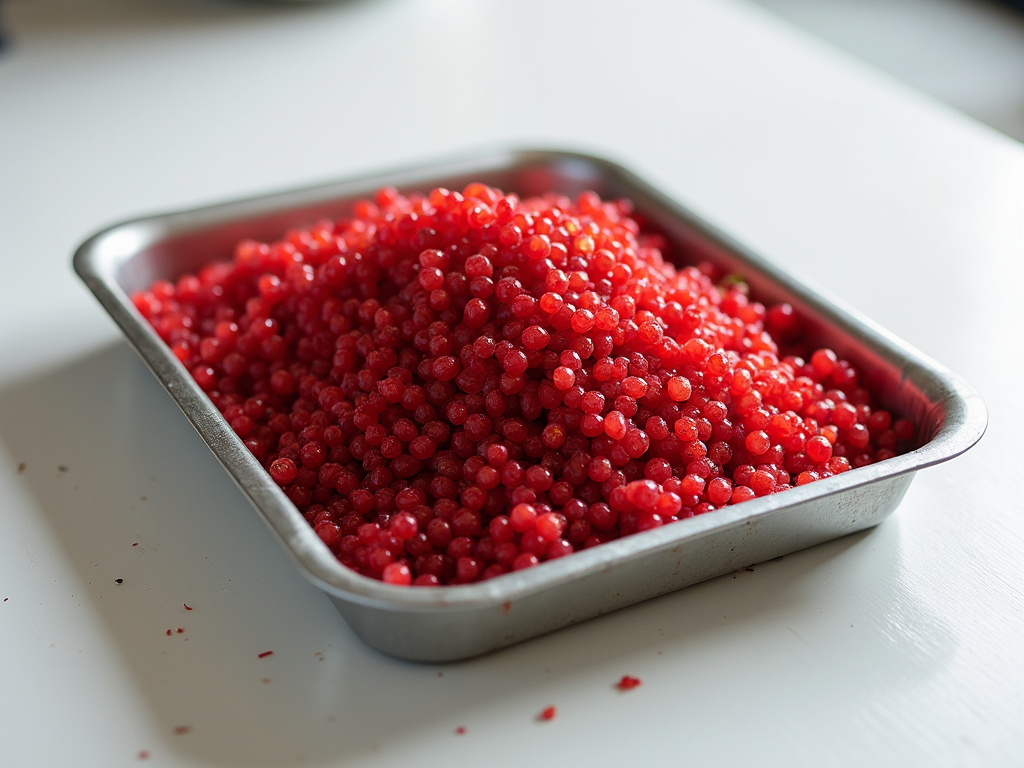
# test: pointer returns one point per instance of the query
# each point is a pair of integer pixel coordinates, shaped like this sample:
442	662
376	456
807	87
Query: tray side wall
442	637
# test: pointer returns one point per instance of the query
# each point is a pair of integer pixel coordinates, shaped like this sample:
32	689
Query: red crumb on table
180	630
456	385
181	730
548	713
143	754
628	683
169	633
135	544
187	608
265	654
460	730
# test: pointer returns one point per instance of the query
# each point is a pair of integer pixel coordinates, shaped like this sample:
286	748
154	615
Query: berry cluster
453	386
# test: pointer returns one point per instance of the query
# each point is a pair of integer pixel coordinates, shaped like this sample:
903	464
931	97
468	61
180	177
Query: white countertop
903	645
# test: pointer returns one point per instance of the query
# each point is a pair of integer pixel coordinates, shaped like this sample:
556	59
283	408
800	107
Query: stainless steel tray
447	623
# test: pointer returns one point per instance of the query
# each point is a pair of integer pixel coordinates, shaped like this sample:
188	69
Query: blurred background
967	53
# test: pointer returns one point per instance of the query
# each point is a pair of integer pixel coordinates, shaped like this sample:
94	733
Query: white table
902	645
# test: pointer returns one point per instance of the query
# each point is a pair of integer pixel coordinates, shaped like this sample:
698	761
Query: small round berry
403	526
823	362
818	449
762	482
615	425
550	526
634	387
522	518
525	560
679	389
757	442
283	471
563	377
582	320
397	573
535	337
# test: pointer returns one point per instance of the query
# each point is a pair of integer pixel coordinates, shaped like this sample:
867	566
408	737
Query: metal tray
448	623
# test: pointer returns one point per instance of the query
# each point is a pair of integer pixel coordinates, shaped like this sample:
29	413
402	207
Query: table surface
900	645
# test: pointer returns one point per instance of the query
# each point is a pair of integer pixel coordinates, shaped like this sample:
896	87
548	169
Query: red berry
525	560
522	518
550	526
818	449
283	471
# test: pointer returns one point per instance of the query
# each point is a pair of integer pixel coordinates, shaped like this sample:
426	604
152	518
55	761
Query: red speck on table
628	683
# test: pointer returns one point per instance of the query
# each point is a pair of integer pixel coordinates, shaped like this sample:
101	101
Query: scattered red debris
135	544
461	730
181	730
180	630
265	654
143	754
168	633
548	713
628	683
187	608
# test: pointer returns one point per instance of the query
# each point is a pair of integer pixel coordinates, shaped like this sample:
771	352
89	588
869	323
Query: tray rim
96	261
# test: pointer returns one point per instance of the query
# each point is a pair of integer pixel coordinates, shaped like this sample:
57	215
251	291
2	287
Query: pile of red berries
453	386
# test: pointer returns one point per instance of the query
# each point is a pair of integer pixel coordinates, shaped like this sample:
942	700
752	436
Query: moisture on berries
454	386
